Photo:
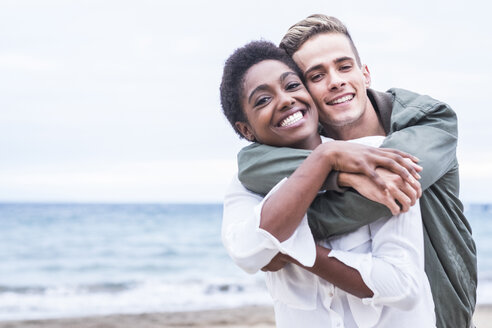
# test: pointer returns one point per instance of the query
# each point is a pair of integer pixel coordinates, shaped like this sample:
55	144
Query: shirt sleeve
247	244
394	270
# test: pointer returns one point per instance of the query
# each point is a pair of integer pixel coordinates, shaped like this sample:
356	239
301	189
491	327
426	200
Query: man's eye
316	77
346	67
262	101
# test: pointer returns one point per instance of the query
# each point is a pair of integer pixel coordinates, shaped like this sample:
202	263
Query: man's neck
369	124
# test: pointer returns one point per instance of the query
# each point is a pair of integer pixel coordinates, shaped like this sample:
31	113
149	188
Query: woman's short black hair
235	68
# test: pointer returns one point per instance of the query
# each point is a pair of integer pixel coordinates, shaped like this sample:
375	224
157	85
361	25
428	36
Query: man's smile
341	99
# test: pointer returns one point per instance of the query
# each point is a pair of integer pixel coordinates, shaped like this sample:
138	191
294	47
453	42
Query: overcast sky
117	101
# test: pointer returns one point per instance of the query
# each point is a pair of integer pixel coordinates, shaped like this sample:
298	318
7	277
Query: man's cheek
315	91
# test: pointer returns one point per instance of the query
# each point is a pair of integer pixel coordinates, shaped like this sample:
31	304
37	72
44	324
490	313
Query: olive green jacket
423	127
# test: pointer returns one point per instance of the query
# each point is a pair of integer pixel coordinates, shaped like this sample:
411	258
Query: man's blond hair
299	33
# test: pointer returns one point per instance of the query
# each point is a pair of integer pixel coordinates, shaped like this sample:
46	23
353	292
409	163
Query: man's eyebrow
313	68
336	61
258	88
342	59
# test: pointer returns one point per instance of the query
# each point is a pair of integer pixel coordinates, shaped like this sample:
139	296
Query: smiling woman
278	108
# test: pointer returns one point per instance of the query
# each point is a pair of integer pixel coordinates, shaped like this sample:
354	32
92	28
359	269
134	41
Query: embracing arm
427	129
285	208
391	274
328	268
250	247
420	125
261	166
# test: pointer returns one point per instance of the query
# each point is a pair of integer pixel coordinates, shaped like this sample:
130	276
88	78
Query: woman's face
279	109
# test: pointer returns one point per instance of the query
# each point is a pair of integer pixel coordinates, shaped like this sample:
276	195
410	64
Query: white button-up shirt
389	255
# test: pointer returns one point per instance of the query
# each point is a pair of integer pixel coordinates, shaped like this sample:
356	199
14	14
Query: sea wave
41	302
84	260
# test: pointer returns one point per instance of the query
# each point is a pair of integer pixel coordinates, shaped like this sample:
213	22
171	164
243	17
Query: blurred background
115	155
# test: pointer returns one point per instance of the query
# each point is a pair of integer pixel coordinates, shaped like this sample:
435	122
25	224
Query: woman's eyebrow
265	86
284	75
258	88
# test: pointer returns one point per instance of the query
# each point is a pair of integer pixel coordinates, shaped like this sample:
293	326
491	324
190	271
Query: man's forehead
323	48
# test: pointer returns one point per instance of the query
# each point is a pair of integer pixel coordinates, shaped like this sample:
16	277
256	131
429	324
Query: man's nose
336	81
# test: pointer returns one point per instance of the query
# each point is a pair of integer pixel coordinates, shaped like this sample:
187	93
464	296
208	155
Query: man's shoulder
410	107
403	99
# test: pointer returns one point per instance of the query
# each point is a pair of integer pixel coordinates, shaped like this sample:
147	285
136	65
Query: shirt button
330	294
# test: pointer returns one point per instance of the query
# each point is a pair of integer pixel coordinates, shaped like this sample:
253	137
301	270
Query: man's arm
425	128
420	124
260	166
285	208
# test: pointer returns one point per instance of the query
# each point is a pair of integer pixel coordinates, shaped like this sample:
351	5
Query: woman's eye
292	85
262	101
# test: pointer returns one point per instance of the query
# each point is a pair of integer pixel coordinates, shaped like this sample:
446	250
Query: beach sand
253	316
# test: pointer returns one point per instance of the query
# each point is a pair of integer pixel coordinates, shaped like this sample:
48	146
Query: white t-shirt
389	255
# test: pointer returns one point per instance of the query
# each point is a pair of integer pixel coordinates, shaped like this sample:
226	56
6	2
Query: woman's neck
309	143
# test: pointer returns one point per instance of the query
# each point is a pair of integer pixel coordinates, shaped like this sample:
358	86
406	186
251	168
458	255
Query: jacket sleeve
261	167
426	128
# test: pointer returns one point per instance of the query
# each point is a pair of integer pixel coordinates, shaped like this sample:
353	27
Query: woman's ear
245	130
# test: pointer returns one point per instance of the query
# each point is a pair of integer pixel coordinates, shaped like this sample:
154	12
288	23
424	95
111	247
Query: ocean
72	260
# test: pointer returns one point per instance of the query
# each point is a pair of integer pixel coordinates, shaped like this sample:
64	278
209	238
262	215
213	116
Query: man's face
334	79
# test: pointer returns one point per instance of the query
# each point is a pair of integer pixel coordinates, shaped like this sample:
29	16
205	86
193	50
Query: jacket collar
383	104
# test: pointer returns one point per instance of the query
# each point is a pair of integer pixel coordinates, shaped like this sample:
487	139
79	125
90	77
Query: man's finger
390	203
402	154
402	199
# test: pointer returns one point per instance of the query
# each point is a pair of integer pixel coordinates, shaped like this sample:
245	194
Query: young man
419	125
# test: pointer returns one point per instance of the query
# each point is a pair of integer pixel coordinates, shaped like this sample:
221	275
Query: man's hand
355	158
400	190
398	196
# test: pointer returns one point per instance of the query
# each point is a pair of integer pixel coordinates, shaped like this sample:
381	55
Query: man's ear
367	76
245	130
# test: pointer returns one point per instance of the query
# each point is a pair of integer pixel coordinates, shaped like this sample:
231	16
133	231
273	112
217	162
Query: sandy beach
253	316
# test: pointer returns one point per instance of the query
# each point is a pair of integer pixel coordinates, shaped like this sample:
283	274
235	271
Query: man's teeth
341	100
297	116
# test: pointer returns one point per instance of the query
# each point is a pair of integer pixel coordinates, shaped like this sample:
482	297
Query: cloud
26	63
115	82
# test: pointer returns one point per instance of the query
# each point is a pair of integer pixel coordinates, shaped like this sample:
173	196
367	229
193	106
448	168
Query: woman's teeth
297	116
